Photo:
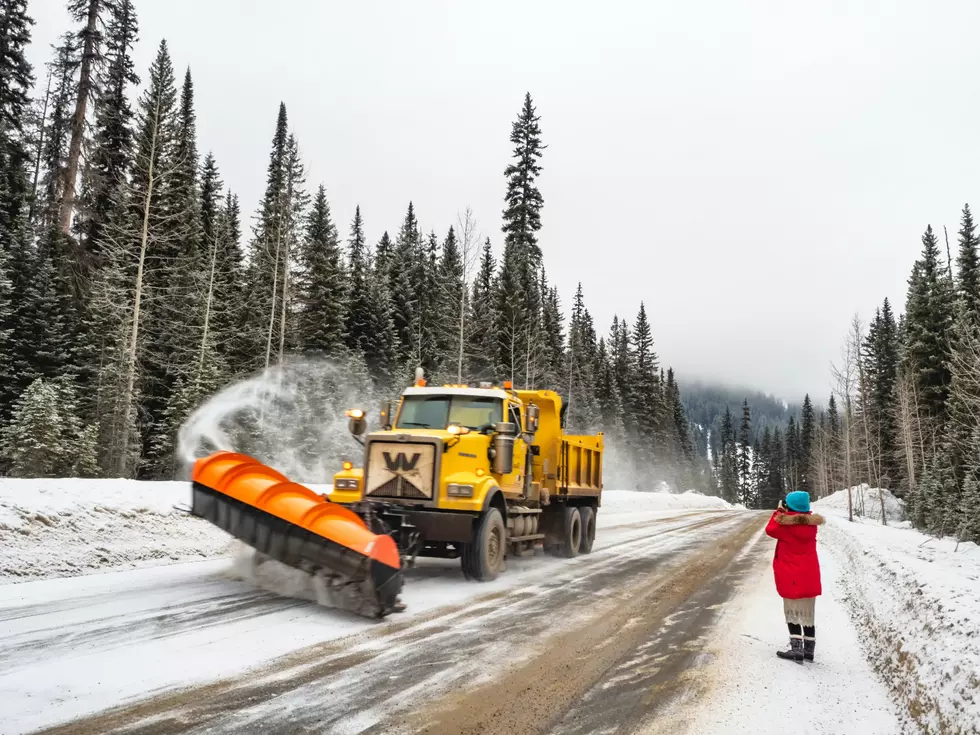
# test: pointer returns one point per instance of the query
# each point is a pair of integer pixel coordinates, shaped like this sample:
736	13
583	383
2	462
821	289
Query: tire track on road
328	684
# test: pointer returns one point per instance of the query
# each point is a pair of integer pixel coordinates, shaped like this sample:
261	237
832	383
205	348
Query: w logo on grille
401	462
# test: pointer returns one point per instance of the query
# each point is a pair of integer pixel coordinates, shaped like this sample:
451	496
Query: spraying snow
290	417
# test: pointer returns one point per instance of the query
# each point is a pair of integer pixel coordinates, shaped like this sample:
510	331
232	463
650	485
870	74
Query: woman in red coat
797	571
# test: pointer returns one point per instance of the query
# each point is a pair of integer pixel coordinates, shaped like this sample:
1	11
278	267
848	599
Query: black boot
795	652
809	641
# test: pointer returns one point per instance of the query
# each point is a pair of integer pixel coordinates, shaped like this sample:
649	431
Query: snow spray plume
290	417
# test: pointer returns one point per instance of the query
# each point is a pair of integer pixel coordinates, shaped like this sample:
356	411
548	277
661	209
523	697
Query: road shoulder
741	686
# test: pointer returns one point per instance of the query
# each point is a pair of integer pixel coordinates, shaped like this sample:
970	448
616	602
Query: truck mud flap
291	524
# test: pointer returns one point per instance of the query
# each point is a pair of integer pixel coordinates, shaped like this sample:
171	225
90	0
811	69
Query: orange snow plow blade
292	524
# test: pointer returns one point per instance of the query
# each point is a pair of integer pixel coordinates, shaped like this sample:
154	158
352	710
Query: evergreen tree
792	455
481	336
522	215
968	267
358	314
322	286
104	177
519	301
928	320
745	457
582	411
52	155
45	437
728	462
16	81
401	268
552	343
880	358
806	445
450	312
93	16
646	393
834	478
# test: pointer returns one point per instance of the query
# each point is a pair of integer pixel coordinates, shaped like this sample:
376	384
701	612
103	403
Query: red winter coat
795	565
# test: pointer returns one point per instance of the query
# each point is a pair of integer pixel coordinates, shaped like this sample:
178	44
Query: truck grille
400	470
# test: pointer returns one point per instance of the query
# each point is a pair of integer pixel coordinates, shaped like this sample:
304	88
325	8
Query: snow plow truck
474	473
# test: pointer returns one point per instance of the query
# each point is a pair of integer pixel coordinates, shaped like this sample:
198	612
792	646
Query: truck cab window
515	417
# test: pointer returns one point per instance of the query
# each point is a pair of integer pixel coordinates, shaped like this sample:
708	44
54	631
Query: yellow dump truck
475	473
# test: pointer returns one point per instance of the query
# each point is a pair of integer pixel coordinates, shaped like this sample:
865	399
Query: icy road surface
610	642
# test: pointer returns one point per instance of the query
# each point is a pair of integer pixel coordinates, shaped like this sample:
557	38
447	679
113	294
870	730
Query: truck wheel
588	529
483	557
571	537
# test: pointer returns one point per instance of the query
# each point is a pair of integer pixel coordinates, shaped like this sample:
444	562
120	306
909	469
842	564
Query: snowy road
601	643
70	648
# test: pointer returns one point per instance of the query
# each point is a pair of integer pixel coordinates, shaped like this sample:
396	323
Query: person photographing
796	568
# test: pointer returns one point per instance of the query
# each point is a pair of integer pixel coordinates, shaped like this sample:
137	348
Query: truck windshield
438	412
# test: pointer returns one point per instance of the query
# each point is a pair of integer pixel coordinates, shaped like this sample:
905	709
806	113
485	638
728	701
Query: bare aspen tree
845	380
469	252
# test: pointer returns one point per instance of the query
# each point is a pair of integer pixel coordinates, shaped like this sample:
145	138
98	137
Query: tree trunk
78	120
40	148
127	397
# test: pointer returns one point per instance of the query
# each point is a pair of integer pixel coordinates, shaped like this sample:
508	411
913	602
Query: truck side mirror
386	417
533	415
356	421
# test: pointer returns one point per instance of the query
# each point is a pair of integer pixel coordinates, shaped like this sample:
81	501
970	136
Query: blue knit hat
798	501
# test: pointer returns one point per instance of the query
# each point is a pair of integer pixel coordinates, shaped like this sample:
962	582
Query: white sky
756	171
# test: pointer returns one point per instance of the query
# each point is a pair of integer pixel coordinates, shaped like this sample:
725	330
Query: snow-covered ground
67	527
916	601
154	629
742	687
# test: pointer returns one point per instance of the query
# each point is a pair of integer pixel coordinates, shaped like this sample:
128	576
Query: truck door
514	482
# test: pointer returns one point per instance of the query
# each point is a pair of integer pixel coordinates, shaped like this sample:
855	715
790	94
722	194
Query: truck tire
571	532
588	529
483	557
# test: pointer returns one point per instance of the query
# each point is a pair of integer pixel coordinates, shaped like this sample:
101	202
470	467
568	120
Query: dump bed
580	466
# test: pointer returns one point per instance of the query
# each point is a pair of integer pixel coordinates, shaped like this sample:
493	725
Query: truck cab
472	472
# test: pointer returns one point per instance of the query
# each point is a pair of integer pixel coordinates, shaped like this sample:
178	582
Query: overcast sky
755	170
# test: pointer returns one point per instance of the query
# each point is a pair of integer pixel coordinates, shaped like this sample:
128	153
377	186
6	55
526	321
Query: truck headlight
460	491
345	484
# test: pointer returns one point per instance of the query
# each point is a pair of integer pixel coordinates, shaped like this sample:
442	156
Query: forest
131	288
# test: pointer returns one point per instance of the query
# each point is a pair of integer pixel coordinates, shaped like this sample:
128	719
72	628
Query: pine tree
357	323
16	81
481	336
92	14
322	287
519	300
522	215
582	411
104	177
552	346
646	393
834	478
968	267
792	454
450	310
969	529
45	437
928	320
806	445
745	457
728	480
382	351
401	268
52	154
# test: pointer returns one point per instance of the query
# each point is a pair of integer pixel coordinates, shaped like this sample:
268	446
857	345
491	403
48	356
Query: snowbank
631	501
67	527
917	601
866	503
